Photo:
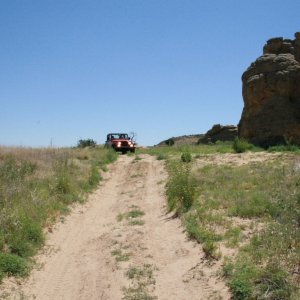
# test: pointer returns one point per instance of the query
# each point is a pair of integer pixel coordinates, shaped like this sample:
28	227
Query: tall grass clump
181	188
36	185
241	145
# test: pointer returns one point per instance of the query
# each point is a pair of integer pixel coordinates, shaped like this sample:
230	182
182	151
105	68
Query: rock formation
219	133
181	140
271	93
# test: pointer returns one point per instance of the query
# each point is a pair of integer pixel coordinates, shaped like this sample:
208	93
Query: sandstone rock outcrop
219	133
271	93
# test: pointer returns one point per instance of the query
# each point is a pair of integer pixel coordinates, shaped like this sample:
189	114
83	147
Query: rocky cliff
271	93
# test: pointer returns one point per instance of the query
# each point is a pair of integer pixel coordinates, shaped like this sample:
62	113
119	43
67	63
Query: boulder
271	93
219	133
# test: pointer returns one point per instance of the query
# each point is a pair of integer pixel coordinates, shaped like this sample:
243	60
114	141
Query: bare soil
101	251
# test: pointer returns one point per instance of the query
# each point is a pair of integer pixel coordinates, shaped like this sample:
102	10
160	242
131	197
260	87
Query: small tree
86	143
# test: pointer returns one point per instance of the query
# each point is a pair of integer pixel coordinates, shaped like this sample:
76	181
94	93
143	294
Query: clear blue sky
73	69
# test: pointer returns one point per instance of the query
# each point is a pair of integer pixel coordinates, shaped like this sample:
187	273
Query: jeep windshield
117	136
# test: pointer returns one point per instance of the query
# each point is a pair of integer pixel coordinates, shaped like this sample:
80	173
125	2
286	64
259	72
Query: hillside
181	140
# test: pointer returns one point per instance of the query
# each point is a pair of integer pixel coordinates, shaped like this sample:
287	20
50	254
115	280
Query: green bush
242	276
25	237
11	264
186	157
86	143
241	145
181	188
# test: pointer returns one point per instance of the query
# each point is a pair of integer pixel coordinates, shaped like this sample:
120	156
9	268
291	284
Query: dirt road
122	245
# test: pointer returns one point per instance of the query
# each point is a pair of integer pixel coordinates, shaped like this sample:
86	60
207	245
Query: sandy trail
99	252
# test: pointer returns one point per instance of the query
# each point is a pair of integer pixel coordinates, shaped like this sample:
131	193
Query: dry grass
36	186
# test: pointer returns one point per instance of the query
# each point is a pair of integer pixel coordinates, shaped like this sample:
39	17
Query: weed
137	293
135	213
136	222
132	216
120	255
138	273
181	188
142	278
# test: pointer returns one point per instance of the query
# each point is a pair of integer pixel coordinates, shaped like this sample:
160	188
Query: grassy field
244	211
37	186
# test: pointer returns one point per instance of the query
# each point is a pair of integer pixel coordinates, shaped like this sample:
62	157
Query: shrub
186	157
86	143
242	276
25	237
11	264
181	188
241	145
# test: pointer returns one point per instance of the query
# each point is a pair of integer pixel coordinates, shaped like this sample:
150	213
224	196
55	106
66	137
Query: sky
78	69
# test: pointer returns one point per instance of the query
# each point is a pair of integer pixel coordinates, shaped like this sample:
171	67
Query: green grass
241	145
136	222
120	255
141	279
181	188
133	216
135	213
144	272
137	293
220	204
164	152
285	148
36	186
11	264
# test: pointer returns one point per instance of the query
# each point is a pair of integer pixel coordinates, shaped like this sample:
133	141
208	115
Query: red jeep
120	142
